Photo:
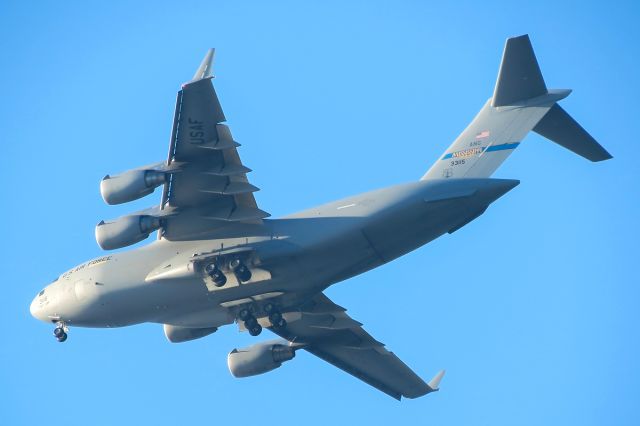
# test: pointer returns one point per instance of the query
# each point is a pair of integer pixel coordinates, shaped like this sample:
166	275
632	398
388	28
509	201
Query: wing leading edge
326	331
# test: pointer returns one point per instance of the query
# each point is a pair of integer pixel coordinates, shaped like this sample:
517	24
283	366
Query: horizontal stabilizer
558	126
519	77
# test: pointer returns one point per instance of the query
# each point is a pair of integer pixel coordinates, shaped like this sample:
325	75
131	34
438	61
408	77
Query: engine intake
259	358
125	231
131	185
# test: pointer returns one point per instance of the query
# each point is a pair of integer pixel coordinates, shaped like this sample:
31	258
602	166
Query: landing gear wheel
280	324
219	280
250	323
244	314
275	317
60	332
218	277
210	268
256	330
269	308
242	273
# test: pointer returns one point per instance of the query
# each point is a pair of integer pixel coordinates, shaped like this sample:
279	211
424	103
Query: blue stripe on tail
490	148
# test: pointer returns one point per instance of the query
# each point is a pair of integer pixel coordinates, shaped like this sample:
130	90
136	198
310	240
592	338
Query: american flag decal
483	134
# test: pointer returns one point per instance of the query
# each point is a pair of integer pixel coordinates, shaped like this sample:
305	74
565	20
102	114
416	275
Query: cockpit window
41	293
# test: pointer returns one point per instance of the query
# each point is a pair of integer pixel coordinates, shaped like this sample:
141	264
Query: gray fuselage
304	253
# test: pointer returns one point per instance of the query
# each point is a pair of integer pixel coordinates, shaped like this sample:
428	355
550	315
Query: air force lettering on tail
218	260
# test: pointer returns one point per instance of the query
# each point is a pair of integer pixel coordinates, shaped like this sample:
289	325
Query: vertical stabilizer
519	77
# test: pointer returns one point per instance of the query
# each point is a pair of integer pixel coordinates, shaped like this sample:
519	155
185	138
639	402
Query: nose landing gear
60	332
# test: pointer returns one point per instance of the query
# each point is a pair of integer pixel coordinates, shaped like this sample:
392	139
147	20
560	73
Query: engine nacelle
125	231
177	334
130	185
258	359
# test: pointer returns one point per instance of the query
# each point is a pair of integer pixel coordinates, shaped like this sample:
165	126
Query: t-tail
521	102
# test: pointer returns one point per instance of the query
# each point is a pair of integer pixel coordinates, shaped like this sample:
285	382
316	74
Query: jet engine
177	334
259	358
125	231
131	185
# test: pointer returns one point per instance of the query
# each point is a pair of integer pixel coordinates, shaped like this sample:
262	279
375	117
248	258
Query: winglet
205	70
435	382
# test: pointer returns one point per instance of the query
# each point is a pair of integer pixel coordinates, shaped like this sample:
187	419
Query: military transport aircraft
218	260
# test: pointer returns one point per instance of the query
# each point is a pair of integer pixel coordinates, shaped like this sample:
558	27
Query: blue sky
532	308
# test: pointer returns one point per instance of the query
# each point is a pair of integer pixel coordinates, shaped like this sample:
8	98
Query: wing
325	330
208	187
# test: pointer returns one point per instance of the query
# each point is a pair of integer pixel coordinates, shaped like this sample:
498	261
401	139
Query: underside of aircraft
219	259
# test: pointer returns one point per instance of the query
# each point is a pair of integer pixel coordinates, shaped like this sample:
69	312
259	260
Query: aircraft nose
36	310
